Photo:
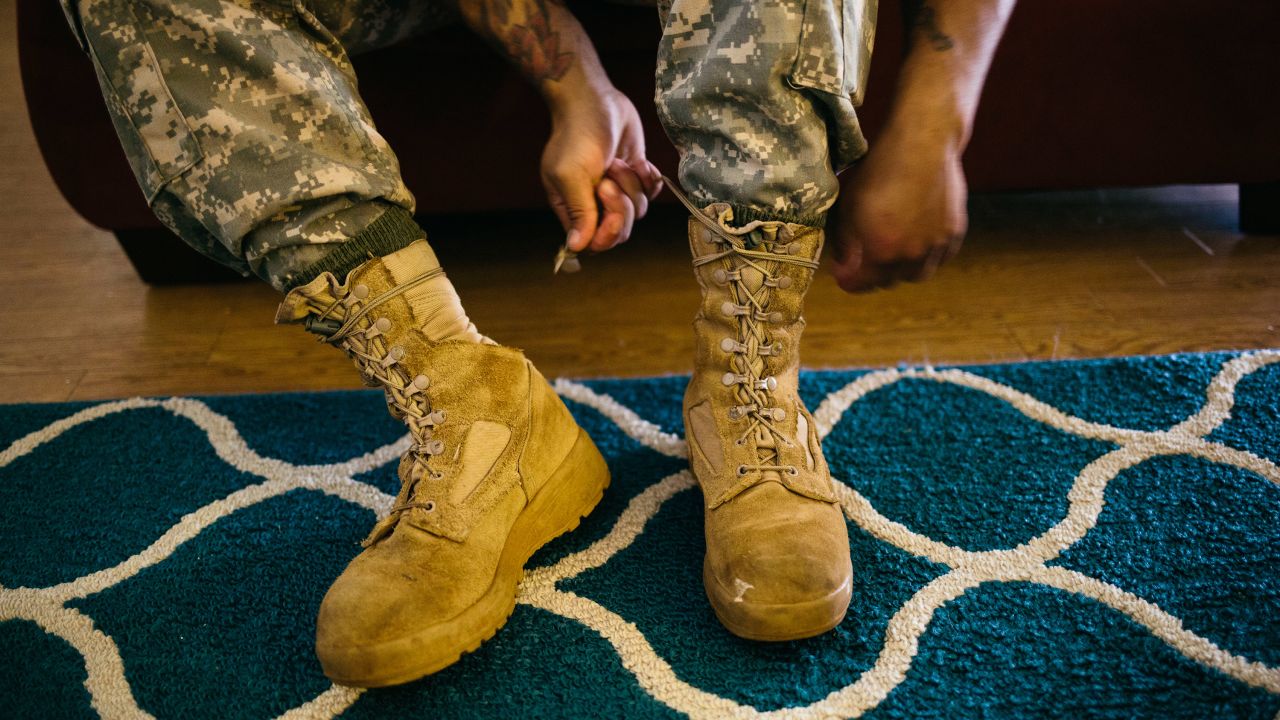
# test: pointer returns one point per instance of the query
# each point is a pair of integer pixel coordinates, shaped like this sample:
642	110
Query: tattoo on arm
920	16
531	42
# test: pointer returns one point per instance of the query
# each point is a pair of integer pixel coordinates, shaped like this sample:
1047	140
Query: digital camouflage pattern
245	129
759	99
243	123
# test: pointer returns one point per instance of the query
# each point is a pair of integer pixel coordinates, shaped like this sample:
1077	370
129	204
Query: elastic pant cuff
743	214
393	230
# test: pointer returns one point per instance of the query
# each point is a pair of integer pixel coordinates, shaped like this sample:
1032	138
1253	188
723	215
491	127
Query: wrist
931	108
575	93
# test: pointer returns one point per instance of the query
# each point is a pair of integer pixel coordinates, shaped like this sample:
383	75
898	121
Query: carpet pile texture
1068	539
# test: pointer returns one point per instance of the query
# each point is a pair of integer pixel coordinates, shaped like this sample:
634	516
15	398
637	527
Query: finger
658	181
573	199
917	270
847	258
867	276
626	178
641	167
927	267
654	187
855	273
619	214
573	238
953	248
649	176
936	257
649	183
559	207
923	268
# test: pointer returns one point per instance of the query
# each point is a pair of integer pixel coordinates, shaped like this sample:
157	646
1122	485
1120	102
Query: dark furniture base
162	258
1260	208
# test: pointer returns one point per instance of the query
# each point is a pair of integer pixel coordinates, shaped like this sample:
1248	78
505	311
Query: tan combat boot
498	468
777	564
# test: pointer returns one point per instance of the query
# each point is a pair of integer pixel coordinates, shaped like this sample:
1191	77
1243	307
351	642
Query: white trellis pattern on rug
112	696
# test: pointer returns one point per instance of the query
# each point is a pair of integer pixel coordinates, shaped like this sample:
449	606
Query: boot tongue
752	278
767	454
309	299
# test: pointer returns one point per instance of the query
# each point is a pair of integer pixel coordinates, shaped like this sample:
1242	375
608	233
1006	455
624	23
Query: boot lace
352	324
749	351
764	247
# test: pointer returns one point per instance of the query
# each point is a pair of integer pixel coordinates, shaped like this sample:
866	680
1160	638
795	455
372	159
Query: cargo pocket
834	48
154	132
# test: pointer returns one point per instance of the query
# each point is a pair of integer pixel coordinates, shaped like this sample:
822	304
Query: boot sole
776	623
572	492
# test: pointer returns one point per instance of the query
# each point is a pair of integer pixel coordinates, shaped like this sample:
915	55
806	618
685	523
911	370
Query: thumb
846	250
573	199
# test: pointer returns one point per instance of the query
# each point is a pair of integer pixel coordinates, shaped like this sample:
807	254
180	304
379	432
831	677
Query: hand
904	213
594	169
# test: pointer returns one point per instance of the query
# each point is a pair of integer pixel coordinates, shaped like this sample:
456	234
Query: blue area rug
1071	539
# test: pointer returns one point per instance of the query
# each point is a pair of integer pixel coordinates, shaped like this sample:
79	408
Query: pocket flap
834	52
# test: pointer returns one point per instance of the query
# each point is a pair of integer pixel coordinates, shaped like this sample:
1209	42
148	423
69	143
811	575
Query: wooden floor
1044	276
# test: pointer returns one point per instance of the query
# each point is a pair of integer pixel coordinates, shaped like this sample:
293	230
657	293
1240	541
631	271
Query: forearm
545	42
951	46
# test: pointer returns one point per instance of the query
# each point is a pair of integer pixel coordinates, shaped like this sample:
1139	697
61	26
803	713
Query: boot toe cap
362	610
378	619
785	580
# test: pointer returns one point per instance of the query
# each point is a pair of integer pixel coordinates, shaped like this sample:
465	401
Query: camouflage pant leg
362	25
243	124
758	96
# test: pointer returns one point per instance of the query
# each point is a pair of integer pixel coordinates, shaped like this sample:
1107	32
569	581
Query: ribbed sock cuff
743	214
393	230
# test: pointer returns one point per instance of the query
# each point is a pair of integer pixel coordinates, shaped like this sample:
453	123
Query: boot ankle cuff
743	214
392	231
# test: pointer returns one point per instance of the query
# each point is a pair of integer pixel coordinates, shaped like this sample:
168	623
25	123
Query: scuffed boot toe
784	581
377	622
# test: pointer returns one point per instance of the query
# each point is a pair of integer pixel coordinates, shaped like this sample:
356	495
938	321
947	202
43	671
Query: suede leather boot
497	469
777	565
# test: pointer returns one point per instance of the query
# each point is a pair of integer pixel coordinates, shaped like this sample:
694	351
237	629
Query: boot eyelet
742	470
383	324
429	506
791	470
360	291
